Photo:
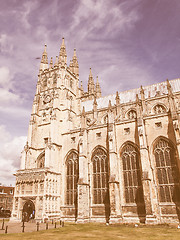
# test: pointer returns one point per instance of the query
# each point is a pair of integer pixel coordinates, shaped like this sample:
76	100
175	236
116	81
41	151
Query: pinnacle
117	98
90	73
142	90
74	52
44	59
45	48
109	105
63	43
137	98
56	62
117	95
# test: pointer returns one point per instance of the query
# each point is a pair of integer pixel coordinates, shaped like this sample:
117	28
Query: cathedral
93	158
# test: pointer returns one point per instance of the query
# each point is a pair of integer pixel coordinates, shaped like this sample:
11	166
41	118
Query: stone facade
93	158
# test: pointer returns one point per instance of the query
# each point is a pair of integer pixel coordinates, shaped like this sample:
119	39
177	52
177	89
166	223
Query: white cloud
10	150
128	76
5	45
102	16
5	78
7	97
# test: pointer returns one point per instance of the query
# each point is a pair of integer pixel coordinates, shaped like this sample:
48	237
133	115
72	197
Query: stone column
173	131
177	138
83	185
145	165
114	195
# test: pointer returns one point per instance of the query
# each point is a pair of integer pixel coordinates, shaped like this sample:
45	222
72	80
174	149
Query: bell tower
55	111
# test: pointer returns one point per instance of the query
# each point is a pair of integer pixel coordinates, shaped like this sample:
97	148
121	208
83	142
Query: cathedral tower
92	158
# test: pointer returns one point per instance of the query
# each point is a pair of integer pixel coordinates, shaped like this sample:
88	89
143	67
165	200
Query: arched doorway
28	212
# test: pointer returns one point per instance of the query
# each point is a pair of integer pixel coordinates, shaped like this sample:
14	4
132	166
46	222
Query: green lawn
100	231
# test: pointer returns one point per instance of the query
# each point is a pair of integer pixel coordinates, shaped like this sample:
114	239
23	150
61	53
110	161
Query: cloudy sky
127	43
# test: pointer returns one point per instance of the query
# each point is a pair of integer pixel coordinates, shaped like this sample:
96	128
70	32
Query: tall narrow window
41	161
132	174
167	172
100	177
72	178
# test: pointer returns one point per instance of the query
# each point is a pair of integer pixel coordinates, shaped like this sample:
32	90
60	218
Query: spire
56	62
137	99
51	63
44	55
62	53
117	98
169	88
142	93
81	88
118	107
83	113
172	105
71	66
63	43
74	54
90	83
90	73
75	64
95	108
98	88
44	60
109	106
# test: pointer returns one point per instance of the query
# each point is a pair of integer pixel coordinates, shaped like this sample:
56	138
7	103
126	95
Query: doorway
28	212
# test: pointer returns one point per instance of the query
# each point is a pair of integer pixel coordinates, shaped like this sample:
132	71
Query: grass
100	231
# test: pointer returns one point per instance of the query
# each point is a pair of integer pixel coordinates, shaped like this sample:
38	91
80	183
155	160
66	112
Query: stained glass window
132	174
100	177
167	172
72	178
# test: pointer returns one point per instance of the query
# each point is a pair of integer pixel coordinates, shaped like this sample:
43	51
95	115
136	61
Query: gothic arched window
54	78
132	175
72	168
167	172
131	114
158	109
100	177
41	161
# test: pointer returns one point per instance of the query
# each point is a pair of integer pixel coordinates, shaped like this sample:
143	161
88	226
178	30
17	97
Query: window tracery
72	168
131	114
100	177
132	175
105	119
158	109
167	172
